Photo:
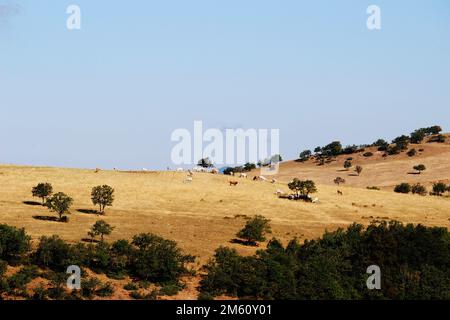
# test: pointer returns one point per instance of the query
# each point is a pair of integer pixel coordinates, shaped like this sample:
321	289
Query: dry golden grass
201	216
384	172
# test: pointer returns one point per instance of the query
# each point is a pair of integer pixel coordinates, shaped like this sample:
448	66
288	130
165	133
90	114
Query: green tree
42	190
419	189
419	167
102	196
14	243
249	166
100	228
255	230
339	180
403	188
302	188
358	170
439	188
417	136
205	163
60	203
304	155
347	164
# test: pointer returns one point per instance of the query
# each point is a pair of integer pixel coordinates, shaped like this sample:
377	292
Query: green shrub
170	289
52	252
130	286
419	189
368	154
157	259
403	188
411	152
14	243
21	278
439	188
412	259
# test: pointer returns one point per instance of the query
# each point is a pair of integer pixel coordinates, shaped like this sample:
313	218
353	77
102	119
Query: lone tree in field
347	164
302	188
100	228
60	203
43	191
419	167
255	230
102	196
358	170
205	163
339	180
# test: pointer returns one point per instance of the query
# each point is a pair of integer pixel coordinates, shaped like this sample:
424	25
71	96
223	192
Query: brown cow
233	183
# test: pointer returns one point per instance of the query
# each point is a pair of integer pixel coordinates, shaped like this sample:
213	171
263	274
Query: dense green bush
414	262
419	189
403	188
14	243
157	259
54	253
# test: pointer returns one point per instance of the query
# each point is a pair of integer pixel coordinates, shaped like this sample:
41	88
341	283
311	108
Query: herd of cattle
233	183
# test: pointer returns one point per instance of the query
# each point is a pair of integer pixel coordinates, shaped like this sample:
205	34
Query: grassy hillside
384	172
206	213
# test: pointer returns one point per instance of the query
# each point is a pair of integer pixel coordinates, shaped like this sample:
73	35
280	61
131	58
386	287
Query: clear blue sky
111	94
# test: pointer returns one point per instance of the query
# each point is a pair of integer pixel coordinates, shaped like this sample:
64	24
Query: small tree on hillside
255	230
403	188
339	180
419	189
43	191
358	170
302	188
304	155
60	203
439	188
347	164
100	228
419	168
102	196
205	163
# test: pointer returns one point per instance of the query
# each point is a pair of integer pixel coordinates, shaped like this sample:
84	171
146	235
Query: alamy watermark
73	21
228	146
374	20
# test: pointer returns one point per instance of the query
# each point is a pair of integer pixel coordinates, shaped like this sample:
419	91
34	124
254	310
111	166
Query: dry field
205	214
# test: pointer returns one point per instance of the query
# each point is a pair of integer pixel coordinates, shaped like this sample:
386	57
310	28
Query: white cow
242	175
187	180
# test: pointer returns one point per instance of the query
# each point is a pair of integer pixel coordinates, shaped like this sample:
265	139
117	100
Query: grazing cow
273	181
233	183
243	175
187	180
339	192
231	173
